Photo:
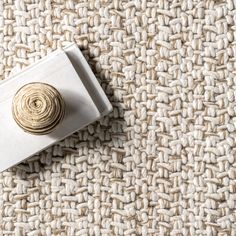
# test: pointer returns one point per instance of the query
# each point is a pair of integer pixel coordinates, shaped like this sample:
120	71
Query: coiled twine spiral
38	108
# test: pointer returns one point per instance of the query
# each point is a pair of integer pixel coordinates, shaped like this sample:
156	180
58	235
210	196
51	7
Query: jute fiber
163	162
38	108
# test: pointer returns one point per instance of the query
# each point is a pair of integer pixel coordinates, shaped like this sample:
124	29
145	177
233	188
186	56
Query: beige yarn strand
38	108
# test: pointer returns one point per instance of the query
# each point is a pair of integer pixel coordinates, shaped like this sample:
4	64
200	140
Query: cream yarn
38	108
164	161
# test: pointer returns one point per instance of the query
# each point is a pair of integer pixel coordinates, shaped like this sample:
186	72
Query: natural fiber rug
163	163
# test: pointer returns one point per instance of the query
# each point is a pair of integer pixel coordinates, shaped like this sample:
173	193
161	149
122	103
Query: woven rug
163	162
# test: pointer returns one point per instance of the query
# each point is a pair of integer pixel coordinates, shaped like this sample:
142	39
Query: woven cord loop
38	108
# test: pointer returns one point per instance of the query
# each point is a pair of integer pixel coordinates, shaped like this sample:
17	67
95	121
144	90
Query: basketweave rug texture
163	162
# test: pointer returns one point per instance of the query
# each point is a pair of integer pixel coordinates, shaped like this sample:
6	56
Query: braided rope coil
38	108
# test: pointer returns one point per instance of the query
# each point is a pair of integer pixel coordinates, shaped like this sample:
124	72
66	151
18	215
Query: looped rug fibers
163	162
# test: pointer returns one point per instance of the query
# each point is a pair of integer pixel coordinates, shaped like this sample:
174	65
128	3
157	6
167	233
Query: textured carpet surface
163	162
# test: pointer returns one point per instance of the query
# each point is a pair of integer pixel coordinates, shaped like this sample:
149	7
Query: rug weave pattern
163	162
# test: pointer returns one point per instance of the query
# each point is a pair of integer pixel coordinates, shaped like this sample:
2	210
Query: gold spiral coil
38	108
